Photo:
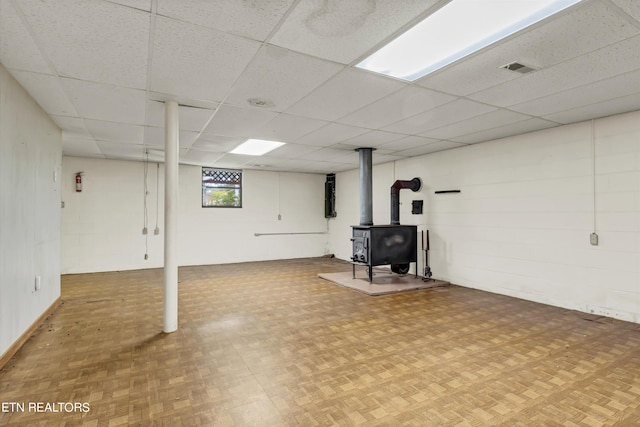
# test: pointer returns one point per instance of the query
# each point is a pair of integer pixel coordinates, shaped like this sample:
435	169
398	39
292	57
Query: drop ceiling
284	70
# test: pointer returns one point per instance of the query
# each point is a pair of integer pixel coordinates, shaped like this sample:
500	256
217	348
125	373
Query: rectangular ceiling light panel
256	147
458	29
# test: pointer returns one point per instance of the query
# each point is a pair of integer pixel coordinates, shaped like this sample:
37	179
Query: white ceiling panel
92	40
202	158
196	62
607	108
17	48
405	143
72	127
373	138
116	104
235	160
47	92
155	137
217	143
333	155
116	132
400	105
430	148
631	7
190	118
236	121
342	31
452	112
580	96
288	128
292	151
519	127
348	91
81	148
253	19
333	133
120	151
136	4
617	59
280	78
492	119
583	29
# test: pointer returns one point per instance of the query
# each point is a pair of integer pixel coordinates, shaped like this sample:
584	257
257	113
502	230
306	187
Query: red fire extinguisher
78	182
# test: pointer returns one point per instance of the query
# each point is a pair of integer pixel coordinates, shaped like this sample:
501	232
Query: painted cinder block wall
521	224
102	225
30	169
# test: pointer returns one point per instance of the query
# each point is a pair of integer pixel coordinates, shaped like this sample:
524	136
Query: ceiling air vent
518	68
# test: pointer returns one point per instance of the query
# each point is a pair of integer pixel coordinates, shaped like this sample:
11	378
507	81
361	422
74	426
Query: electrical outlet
593	238
146	256
279	217
38	283
144	230
156	231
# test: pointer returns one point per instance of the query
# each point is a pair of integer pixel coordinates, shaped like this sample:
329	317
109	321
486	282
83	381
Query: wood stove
394	244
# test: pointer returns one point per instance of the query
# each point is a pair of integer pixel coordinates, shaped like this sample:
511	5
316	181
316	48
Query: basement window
221	188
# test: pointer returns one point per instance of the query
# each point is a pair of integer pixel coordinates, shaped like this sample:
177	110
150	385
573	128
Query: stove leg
354	270
370	274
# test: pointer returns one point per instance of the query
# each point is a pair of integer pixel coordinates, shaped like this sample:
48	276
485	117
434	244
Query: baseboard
13	349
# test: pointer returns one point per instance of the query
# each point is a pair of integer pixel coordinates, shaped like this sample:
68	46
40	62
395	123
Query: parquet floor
271	344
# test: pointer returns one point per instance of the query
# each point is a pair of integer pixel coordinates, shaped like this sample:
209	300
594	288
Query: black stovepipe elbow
413	185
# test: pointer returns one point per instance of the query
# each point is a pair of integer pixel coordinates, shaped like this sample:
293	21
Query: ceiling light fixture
455	31
256	147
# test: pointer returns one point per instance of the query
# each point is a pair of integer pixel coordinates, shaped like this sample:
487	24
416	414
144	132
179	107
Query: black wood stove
394	244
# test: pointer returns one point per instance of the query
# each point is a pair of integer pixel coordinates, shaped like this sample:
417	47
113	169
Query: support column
171	144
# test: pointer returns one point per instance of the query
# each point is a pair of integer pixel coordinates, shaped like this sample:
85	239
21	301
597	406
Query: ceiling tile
584	28
217	143
72	127
92	40
406	143
155	137
342	31
617	59
403	104
78	147
235	161
136	4
288	128
197	62
116	104
483	122
47	92
236	121
349	90
519	127
280	77
631	7
190	118
17	48
121	151
200	158
373	138
453	112
580	96
333	155
253	19
115	132
430	148
292	151
602	109
333	133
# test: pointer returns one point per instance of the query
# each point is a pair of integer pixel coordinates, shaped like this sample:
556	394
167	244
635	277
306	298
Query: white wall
521	224
30	159
102	225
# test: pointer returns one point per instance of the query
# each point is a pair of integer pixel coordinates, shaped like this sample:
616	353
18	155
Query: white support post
171	144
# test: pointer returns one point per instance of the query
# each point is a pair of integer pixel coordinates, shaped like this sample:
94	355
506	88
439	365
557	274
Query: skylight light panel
458	29
256	147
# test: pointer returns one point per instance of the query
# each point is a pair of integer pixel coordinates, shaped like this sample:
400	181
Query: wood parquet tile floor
271	344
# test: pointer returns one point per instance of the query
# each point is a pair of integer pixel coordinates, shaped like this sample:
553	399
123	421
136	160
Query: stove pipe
414	185
366	192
